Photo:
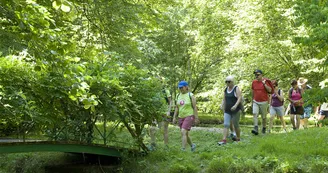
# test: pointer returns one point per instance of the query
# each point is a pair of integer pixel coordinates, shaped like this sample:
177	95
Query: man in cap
260	90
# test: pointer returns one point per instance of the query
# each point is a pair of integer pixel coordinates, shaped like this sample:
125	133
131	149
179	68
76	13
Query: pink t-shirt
296	95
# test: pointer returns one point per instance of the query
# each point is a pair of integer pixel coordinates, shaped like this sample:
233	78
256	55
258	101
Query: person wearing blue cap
261	87
186	109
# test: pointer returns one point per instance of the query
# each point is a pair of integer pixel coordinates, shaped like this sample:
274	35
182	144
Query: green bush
8	128
219	164
210	120
182	168
319	166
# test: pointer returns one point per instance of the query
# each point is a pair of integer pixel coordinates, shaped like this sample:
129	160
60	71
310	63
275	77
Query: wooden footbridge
106	146
18	146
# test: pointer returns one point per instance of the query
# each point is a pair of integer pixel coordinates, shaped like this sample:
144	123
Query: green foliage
31	162
70	81
219	165
183	168
316	96
67	64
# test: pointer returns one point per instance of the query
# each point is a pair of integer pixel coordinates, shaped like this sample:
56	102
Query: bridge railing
107	133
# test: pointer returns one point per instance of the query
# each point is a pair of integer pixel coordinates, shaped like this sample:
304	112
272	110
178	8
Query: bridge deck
49	146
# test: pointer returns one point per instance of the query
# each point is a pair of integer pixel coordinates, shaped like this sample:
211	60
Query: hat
301	81
230	78
258	71
182	84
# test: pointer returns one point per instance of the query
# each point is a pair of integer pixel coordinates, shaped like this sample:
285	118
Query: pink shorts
186	123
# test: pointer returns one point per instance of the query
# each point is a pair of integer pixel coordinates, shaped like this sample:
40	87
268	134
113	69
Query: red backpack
269	82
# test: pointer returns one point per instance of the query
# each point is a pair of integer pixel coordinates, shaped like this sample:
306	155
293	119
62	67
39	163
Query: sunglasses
180	87
227	81
257	74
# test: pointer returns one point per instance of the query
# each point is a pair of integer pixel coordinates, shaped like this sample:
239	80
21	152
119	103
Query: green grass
295	151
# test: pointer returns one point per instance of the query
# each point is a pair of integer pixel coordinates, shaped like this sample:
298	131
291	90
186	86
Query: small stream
87	163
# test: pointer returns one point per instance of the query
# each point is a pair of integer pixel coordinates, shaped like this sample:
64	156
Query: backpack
241	105
283	100
268	81
176	99
165	96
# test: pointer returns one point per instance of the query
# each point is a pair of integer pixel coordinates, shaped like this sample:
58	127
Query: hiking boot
263	130
223	142
255	130
193	147
236	140
232	135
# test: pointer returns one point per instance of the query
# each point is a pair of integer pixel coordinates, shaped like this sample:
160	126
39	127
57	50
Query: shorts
260	107
296	110
233	117
325	113
307	112
277	110
186	122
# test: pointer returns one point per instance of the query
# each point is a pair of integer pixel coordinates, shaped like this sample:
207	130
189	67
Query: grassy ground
294	151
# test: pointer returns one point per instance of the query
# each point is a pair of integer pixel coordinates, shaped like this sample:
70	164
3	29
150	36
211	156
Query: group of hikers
265	93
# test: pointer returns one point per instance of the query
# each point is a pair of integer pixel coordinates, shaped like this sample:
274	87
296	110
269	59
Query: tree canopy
78	61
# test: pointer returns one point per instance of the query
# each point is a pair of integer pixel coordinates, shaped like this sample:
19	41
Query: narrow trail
210	129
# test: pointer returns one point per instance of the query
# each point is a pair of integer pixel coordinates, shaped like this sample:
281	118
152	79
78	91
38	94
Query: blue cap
258	71
182	84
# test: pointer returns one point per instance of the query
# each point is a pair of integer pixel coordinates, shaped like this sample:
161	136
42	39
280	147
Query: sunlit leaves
65	8
56	4
61	4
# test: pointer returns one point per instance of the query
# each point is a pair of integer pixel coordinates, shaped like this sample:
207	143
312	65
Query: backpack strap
176	99
233	90
290	92
190	100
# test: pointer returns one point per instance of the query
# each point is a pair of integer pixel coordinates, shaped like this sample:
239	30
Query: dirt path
18	140
210	129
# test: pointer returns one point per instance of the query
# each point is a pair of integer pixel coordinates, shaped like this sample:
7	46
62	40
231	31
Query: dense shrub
182	168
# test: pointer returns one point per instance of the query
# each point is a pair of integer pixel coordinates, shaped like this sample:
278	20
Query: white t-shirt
324	107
